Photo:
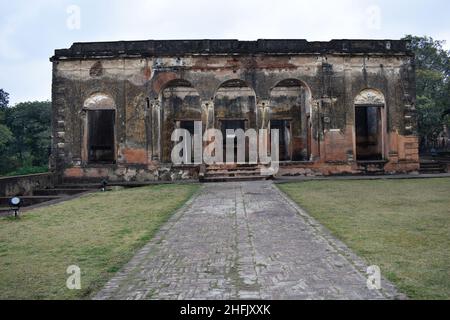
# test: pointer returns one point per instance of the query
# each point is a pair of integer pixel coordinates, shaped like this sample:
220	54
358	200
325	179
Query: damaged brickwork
342	107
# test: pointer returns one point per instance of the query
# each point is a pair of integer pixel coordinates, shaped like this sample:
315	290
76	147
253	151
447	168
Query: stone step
234	179
233	173
232	168
432	170
373	172
432	167
438	168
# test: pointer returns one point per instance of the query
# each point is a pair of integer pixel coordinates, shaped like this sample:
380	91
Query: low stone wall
132	173
310	169
24	185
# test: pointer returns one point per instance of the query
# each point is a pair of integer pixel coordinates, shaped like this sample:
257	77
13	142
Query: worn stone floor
243	240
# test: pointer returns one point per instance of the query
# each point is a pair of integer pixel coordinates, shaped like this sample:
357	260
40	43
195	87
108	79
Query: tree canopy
432	87
25	131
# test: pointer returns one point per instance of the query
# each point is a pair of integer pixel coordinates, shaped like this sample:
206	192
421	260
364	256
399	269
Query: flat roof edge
147	48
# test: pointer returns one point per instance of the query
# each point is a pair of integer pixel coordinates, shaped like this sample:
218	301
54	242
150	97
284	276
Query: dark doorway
101	136
232	125
284	128
368	133
189	125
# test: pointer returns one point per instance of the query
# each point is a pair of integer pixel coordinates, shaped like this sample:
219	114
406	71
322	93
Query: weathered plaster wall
149	98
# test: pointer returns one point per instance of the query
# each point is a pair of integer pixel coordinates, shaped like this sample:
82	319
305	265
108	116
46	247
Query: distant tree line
25	136
433	92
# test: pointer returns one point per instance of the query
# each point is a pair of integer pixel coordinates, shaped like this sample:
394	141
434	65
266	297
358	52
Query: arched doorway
181	107
290	113
234	108
100	140
369	125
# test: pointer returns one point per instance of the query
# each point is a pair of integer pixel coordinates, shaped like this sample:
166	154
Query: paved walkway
243	241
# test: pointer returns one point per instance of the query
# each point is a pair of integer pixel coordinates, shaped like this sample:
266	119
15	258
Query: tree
4	99
30	124
430	120
5	134
432	87
25	131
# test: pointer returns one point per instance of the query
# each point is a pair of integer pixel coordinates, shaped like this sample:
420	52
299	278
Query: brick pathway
243	241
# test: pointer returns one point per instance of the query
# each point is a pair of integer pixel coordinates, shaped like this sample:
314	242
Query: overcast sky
31	30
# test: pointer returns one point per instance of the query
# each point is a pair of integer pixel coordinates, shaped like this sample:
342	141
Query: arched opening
181	107
100	128
234	108
290	113
369	125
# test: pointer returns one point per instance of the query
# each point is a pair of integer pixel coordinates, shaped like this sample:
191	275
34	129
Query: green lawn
98	232
403	226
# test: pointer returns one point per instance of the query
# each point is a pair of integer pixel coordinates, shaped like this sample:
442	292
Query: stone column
208	114
156	121
263	114
316	130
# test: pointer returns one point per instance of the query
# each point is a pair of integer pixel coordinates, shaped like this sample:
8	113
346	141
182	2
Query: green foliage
25	131
430	119
433	87
4	99
5	136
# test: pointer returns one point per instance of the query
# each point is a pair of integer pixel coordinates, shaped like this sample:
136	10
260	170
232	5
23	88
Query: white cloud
27	76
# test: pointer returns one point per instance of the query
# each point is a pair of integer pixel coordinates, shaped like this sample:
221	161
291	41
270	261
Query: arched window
369	110
181	108
290	113
235	108
101	115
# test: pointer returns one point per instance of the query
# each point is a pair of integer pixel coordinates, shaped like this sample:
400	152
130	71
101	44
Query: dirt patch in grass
98	232
403	226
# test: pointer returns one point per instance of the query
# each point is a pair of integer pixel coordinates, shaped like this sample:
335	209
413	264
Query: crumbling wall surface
156	83
178	103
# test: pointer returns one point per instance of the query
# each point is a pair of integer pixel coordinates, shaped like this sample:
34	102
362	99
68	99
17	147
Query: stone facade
344	106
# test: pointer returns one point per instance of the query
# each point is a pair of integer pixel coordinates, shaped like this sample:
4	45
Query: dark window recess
368	133
101	136
187	125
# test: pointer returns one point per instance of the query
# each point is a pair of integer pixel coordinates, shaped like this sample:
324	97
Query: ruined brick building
342	107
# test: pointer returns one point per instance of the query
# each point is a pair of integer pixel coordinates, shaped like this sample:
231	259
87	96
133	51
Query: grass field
98	232
403	226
